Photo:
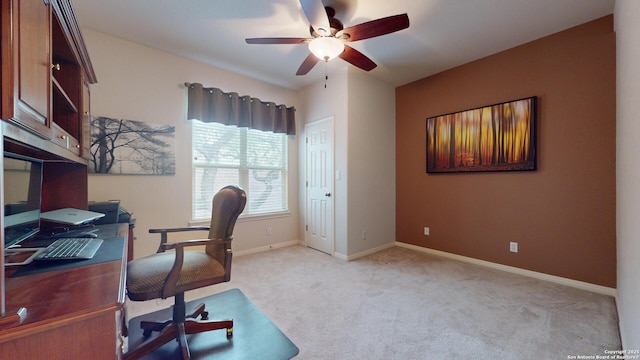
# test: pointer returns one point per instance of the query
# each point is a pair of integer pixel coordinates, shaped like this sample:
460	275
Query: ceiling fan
328	36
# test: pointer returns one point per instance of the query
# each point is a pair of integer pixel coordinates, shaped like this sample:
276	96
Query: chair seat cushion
146	276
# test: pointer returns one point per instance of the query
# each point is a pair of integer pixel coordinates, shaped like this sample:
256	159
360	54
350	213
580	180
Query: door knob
327	194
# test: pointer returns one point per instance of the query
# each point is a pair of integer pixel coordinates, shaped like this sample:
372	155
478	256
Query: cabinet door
33	100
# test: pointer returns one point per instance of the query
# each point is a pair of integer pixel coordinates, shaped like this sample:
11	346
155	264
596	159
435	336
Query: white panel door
319	183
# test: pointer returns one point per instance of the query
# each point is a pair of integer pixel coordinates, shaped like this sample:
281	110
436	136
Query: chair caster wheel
146	333
204	315
229	332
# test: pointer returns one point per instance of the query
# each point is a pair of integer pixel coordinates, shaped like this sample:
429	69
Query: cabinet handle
62	137
55	66
77	146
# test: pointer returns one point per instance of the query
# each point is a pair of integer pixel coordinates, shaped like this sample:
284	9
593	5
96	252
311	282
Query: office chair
166	274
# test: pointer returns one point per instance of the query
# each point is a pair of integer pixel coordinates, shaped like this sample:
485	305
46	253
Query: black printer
113	212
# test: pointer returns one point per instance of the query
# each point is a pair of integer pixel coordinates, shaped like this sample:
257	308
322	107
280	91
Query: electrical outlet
269	231
426	231
513	247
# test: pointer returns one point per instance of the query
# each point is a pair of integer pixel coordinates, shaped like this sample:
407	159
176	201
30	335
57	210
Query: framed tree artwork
500	137
130	147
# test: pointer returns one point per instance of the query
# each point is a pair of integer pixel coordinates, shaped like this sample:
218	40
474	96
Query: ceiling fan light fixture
326	47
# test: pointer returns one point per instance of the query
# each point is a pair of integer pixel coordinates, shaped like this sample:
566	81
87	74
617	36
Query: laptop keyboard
71	248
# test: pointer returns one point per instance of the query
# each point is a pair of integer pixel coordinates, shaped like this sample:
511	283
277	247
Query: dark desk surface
65	293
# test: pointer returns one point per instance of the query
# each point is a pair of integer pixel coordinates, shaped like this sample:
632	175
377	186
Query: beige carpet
403	304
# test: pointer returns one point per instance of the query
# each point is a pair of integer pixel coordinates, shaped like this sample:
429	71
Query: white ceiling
442	33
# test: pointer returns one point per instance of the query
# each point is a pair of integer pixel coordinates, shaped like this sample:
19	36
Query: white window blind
228	155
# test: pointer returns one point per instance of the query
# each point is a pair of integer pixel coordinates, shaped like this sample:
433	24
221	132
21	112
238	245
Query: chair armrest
187	228
171	281
185	243
164	233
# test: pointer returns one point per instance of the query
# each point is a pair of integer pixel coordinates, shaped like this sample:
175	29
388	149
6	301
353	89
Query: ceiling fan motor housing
335	24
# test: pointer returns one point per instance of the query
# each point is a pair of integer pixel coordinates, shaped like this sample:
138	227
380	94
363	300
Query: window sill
245	218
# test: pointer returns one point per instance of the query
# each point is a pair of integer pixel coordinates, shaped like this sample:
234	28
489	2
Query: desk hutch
44	106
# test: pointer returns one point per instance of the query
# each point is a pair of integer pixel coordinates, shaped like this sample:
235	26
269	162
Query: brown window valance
214	105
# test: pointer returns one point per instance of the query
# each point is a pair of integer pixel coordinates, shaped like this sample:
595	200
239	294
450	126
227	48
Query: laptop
70	216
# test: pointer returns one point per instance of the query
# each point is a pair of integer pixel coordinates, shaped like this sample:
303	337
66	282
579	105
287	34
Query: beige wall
627	13
139	83
563	214
320	103
372	163
364	152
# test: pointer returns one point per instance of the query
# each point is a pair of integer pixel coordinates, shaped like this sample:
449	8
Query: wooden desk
76	313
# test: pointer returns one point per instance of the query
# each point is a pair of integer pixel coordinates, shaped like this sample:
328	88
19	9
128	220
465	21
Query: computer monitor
22	195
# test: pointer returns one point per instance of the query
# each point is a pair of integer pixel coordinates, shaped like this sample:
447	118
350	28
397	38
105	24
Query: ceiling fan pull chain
326	77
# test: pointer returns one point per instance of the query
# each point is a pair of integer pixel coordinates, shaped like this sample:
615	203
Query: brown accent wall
563	214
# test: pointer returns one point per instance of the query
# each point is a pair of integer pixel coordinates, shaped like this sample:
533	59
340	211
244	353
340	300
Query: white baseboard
364	253
267	247
533	274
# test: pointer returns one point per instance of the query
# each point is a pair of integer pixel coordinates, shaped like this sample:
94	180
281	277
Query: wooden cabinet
72	74
45	85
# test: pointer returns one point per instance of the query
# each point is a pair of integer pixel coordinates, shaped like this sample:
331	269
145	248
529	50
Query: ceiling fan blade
376	27
356	58
277	40
307	64
317	15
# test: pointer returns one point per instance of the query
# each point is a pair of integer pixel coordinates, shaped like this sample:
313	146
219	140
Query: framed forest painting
500	137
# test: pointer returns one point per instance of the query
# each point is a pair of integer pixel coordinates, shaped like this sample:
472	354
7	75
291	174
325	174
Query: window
229	155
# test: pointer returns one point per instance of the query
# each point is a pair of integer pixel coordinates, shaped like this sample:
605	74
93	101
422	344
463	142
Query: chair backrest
228	204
